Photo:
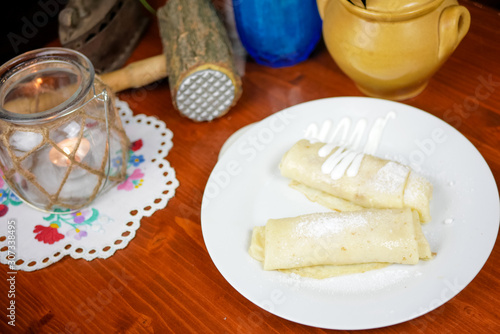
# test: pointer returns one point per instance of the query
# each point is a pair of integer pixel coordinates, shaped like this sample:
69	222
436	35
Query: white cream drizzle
347	158
376	133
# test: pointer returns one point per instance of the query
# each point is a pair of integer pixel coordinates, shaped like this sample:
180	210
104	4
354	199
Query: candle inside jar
68	146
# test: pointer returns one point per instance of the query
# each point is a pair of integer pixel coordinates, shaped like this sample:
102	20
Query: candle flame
38	81
67	146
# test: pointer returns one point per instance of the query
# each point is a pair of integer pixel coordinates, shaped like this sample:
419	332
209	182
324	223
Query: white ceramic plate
246	188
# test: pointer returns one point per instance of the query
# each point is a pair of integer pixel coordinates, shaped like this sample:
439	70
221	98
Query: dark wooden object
165	281
105	31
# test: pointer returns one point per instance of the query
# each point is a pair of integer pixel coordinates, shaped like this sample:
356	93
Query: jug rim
392	16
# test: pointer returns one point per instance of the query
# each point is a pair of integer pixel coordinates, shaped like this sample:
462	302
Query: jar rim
21	62
407	14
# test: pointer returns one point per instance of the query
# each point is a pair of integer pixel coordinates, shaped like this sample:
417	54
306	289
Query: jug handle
454	24
321	7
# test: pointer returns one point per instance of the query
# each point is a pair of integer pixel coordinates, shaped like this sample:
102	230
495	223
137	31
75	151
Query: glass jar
59	130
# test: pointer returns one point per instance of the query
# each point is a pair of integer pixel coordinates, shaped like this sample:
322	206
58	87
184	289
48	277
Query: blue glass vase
278	33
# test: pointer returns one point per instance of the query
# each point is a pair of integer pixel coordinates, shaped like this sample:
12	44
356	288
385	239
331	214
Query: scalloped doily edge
134	223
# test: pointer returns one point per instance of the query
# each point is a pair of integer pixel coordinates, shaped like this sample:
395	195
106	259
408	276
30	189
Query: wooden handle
137	74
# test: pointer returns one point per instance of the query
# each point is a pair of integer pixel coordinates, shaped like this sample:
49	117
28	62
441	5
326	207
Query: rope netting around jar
13	170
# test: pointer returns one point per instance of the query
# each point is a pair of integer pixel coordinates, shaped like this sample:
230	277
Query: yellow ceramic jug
391	48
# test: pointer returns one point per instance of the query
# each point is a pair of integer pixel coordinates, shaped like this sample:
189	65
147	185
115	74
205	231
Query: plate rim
328	100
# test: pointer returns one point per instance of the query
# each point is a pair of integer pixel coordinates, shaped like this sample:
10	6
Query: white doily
31	240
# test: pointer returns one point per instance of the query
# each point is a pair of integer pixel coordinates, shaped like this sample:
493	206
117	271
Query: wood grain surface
165	282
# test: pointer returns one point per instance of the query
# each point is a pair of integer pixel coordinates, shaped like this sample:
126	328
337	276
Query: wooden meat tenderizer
197	60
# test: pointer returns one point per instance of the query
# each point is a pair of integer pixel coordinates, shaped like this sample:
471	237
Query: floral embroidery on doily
78	222
7	197
135	178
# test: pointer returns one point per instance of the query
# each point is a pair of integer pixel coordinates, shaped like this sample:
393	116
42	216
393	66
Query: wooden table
165	281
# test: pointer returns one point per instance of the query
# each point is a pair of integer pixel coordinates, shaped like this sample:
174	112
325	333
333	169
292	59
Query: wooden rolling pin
137	74
197	60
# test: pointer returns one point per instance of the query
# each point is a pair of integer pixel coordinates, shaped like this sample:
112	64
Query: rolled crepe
378	183
320	240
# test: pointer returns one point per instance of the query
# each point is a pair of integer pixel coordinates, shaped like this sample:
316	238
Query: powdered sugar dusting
416	187
363	283
448	221
325	224
391	178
